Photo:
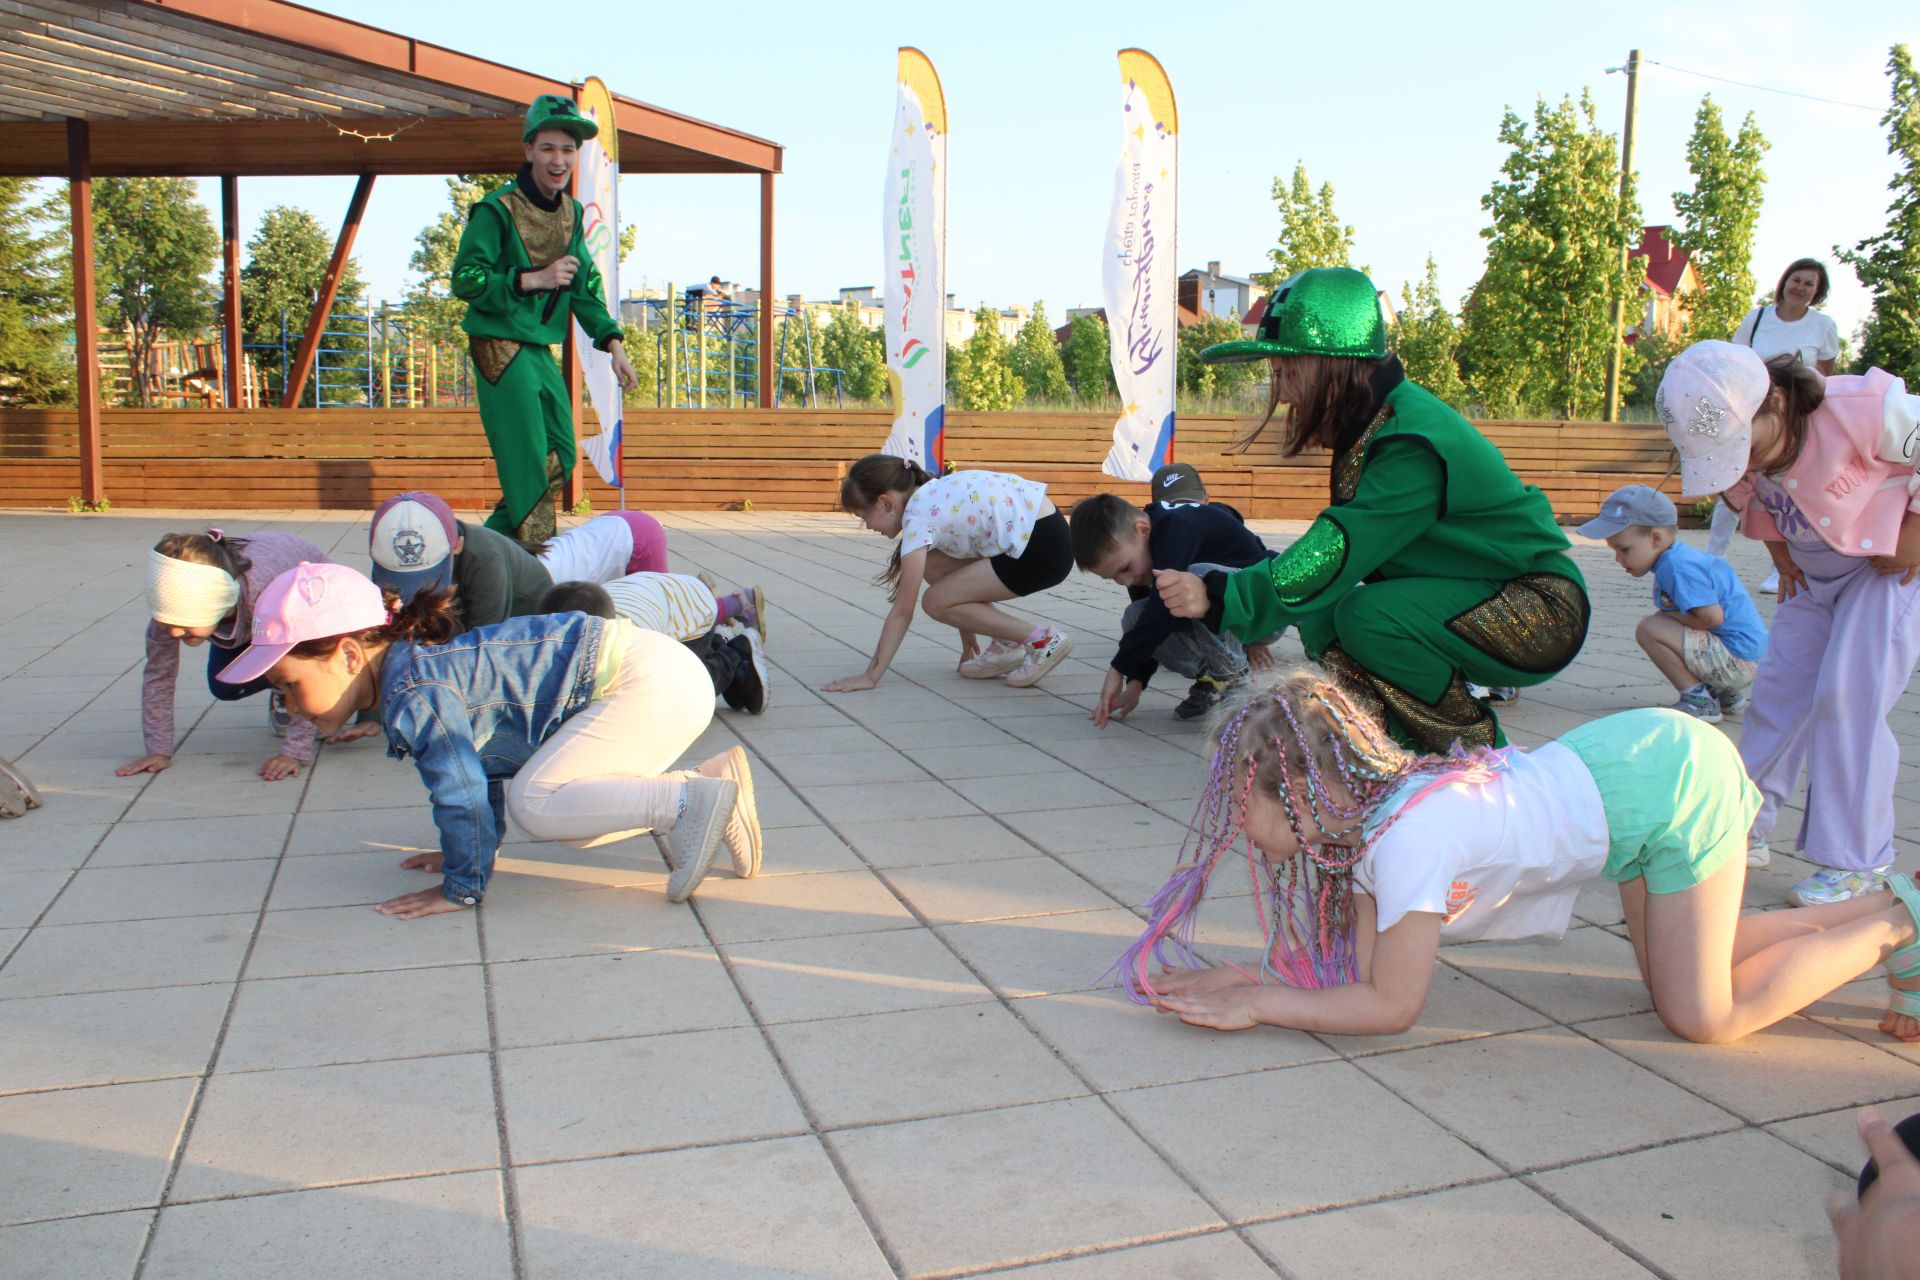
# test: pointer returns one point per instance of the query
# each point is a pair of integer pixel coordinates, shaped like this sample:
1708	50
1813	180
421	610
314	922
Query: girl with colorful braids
1371	856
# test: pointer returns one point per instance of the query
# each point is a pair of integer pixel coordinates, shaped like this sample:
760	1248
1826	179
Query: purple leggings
649	543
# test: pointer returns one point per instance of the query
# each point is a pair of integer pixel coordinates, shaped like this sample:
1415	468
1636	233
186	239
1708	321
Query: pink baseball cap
307	602
412	543
1707	399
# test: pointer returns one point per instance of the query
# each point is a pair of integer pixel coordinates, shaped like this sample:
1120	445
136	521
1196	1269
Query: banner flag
1138	276
914	235
597	186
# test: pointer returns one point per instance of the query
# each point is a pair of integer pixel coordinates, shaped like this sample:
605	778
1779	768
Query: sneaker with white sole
1759	853
742	834
1042	656
1699	703
278	717
1203	697
1772	585
1734	701
1493	692
748	691
997	659
696	834
1832	884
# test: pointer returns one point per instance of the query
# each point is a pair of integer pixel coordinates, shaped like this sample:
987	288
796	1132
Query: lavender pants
1839	656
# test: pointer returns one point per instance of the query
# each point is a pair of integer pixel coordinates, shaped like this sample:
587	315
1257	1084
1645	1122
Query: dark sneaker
278	717
748	692
1202	698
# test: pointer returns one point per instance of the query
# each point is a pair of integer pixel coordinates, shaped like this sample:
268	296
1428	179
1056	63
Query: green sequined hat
551	111
1325	311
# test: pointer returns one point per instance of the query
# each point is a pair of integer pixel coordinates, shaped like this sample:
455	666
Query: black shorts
1045	563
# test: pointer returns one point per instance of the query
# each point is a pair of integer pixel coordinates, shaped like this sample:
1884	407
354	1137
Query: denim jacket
472	711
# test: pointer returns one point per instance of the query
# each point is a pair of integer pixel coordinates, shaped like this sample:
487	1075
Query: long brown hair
428	618
1803	389
1338	390
210	548
866	481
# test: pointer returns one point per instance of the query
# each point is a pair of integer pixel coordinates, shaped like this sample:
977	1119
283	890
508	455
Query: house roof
250	87
1666	263
1199	273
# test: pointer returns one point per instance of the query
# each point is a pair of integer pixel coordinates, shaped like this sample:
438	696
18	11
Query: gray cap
1632	505
1177	482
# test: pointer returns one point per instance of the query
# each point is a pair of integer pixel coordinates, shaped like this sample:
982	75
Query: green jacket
510	232
1417	492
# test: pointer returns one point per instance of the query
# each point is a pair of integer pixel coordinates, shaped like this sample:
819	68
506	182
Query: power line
1763	88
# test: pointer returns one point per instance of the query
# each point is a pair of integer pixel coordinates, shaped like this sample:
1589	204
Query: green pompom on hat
551	111
1324	311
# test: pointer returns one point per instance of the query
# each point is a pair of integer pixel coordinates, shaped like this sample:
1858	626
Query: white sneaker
1772	585
996	659
742	834
696	835
1759	853
1833	884
1042	657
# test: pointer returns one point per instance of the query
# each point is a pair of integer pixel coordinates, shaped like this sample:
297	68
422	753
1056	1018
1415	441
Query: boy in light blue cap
1707	638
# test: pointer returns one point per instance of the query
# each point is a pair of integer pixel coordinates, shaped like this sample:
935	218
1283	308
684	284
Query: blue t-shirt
1685	578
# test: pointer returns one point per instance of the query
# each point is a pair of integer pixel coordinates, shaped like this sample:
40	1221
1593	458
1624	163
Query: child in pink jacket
1836	499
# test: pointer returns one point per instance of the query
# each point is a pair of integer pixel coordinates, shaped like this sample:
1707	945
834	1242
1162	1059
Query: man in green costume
1432	566
525	274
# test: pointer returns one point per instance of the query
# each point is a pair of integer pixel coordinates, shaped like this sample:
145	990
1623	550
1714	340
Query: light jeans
603	776
1721	528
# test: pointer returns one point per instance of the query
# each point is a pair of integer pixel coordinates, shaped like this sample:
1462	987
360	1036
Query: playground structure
707	353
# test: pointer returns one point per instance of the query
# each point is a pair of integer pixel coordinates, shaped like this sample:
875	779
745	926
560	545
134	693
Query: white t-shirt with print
1504	859
1813	337
971	515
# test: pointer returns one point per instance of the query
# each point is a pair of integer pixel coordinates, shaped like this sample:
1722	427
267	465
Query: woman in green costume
1432	565
525	274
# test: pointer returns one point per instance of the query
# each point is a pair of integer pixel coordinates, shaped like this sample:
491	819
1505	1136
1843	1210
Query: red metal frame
317	319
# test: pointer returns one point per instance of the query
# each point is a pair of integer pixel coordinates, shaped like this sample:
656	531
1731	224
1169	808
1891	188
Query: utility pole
1626	179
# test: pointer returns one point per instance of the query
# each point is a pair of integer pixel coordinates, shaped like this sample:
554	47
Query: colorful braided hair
1291	737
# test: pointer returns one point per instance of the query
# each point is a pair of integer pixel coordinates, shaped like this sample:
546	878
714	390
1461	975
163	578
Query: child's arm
156	703
1905	559
1705	617
1395	972
464	810
913	566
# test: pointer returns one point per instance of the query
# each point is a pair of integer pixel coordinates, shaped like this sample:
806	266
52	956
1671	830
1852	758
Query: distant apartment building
1213	293
863	300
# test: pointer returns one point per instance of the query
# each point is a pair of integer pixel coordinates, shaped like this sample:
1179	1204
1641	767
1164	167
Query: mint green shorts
1677	798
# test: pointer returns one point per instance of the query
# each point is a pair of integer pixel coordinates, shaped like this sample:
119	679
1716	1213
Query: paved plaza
888	1055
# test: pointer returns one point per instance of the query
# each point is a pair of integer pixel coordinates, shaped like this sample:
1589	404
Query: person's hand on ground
1260	657
1226	1009
145	764
353	733
280	767
1879	1233
1118	697
969	646
1184	594
421	902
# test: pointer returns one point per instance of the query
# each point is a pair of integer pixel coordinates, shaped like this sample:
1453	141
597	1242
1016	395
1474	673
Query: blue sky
1397	104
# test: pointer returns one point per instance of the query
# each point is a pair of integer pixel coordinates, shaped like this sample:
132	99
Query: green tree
1311	233
849	346
1086	358
153	247
1426	337
1538	331
1212	380
1655	351
1889	264
1717	219
430	304
1035	359
979	375
36	298
286	266
644	354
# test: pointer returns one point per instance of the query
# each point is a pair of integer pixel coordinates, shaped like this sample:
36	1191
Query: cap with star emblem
1707	400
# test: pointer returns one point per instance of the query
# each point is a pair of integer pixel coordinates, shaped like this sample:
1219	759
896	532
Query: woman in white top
1373	856
978	537
1789	327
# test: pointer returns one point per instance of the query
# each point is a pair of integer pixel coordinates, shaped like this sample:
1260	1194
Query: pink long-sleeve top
270	554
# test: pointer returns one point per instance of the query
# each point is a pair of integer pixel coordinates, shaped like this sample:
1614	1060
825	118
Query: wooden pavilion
247	88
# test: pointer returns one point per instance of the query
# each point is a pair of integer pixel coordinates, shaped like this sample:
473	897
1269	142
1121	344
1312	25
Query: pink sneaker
996	659
1042	657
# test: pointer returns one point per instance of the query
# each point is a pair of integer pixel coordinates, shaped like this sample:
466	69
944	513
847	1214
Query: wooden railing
787	460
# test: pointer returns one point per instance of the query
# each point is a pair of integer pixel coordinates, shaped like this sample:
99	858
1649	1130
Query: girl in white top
977	538
1374	856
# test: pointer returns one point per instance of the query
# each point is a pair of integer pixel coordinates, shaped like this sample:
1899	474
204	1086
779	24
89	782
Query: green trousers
1409	647
528	423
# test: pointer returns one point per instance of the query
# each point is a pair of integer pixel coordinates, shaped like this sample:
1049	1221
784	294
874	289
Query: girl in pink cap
566	722
1836	499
